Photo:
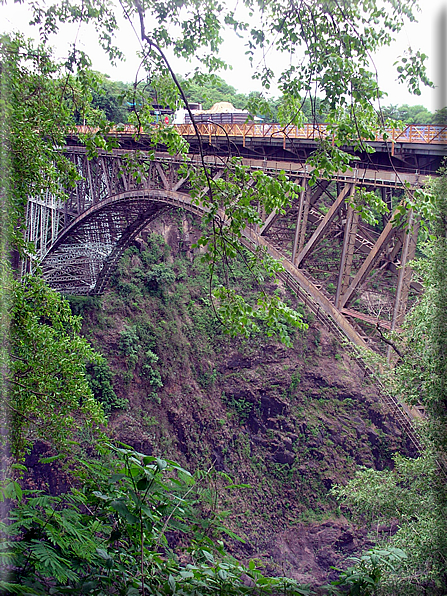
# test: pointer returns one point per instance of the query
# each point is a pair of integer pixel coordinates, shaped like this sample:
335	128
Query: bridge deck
414	133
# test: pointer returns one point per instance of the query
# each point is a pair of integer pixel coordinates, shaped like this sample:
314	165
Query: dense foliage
48	392
110	534
138	525
414	492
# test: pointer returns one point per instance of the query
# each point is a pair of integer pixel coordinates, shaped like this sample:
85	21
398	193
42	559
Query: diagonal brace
324	224
371	259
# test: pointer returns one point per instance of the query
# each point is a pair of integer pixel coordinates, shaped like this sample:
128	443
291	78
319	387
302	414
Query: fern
47	560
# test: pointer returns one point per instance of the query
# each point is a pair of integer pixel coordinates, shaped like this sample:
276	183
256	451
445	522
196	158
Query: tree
211	90
409	114
48	391
112	98
44	390
414	493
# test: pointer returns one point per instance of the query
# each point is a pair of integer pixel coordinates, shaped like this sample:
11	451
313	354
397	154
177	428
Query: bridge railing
414	133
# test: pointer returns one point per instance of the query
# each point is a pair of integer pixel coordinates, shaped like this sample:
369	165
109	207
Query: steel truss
356	273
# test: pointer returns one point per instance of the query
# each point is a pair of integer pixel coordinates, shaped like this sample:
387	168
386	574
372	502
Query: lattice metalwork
43	225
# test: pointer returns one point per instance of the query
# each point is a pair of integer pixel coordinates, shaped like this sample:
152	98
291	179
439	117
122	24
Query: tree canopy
44	361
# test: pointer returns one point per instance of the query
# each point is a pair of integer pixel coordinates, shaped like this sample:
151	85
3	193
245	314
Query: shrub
99	377
115	536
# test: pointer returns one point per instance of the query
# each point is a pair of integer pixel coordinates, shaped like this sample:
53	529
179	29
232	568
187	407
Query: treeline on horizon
114	99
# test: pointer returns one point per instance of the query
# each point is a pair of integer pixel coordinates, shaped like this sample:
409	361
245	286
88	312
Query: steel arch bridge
348	271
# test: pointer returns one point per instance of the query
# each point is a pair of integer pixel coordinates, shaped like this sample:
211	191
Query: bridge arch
85	254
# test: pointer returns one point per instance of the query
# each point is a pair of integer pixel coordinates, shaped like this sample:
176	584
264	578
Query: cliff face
288	422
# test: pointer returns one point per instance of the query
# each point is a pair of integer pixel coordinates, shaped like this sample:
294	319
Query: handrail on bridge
414	133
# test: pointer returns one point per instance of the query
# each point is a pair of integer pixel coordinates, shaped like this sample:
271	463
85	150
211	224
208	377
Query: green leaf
49	460
171	582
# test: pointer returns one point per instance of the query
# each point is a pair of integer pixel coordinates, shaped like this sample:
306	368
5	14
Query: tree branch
390	343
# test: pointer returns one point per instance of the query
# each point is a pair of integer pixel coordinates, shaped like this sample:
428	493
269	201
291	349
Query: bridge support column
302	239
405	275
347	252
297	237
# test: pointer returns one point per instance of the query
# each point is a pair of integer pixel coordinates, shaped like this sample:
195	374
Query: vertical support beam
298	219
308	202
404	277
90	182
405	272
78	200
347	251
351	246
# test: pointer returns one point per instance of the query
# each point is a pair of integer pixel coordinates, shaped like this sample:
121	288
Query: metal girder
405	271
163	176
269	221
298	219
347	252
370	260
325	222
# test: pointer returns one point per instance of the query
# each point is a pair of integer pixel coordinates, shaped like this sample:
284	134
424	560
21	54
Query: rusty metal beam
162	175
319	298
350	251
303	226
179	183
371	259
325	222
269	221
298	219
405	271
347	253
106	175
368	319
89	178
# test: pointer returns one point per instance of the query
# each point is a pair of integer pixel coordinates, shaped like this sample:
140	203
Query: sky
427	35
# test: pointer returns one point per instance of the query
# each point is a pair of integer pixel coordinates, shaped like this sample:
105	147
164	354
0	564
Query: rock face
288	422
308	551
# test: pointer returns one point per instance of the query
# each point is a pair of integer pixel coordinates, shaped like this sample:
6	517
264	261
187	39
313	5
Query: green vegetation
49	396
118	535
414	114
138	524
414	492
100	379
